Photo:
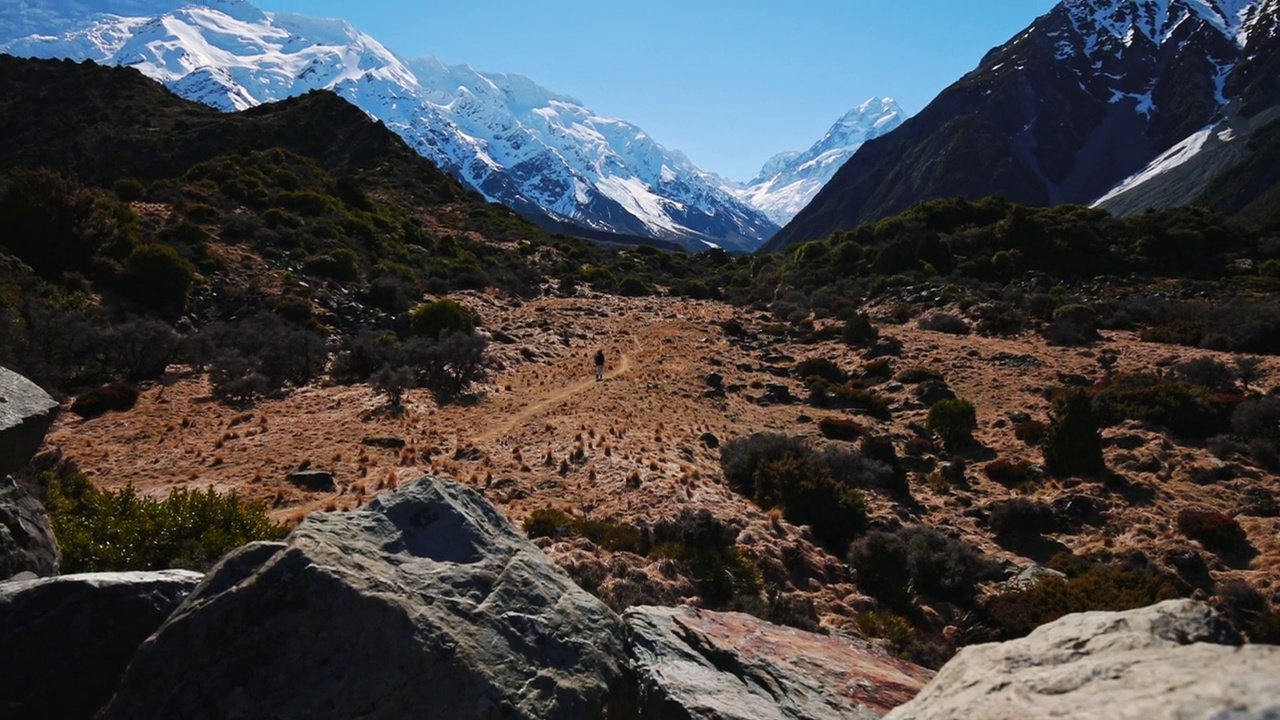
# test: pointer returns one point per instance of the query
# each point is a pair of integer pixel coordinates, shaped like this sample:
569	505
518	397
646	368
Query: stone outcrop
1177	659
26	412
65	641
694	664
425	603
27	543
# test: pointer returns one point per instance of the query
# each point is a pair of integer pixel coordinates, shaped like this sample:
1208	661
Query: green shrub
808	495
1010	474
740	457
632	286
1015	614
1073	325
733	327
1182	408
953	420
705	547
115	397
819	368
915	560
340	264
850	397
129	190
895	630
547	522
1072	445
157	277
858	330
879	369
435	318
1218	532
104	531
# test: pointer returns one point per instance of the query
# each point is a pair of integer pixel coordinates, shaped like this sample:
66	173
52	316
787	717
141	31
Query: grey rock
715	380
695	664
26	413
67	640
1177	659
1029	576
933	392
425	603
27	543
316	480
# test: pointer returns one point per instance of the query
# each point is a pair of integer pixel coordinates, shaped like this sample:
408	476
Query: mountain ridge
515	142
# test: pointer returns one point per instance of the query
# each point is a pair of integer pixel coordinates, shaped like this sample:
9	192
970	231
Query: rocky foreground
429	603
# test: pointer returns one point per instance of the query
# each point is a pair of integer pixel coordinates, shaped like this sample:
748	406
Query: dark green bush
547	522
808	495
1072	445
1182	408
1015	614
104	531
895	566
953	420
740	457
115	397
819	367
440	316
1010	474
632	286
706	548
858	330
158	277
553	523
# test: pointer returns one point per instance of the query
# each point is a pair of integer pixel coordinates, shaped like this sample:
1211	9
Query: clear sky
728	82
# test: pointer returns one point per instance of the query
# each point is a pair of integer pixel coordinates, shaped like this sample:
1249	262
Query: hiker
599	365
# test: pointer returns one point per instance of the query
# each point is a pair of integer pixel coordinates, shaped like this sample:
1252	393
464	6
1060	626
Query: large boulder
65	641
1177	659
26	535
695	664
26	412
426	603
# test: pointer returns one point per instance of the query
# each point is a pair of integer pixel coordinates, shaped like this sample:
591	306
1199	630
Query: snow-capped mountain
544	154
789	180
1088	95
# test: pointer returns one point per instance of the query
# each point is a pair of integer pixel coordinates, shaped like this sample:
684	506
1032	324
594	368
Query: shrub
944	323
393	383
880	450
1015	614
1257	418
1184	409
1021	518
115	397
915	375
1216	531
844	429
733	327
547	522
1209	372
449	365
878	369
819	368
632	286
129	190
740	457
859	469
858	330
1031	432
894	566
435	318
850	397
1072	445
1073	325
706	548
1010	474
104	531
809	495
895	630
953	420
341	264
157	277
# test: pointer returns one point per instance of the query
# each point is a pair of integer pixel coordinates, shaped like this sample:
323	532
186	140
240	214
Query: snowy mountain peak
540	152
1158	20
789	180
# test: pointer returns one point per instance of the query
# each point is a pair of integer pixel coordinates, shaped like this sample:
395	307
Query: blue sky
728	82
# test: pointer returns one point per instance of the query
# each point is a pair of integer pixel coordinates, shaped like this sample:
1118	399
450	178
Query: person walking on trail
599	365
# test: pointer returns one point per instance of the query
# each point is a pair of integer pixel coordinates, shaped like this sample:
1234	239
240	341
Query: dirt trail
549	401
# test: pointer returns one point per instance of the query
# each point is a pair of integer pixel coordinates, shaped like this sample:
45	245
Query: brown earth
544	433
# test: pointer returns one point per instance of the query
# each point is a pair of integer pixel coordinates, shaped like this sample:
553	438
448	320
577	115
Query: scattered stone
715	380
1011	360
427	602
1138	664
26	412
1029	576
933	392
1017	418
885	346
804	419
314	480
1258	502
777	394
68	639
468	454
695	664
1191	568
27	543
389	443
710	440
